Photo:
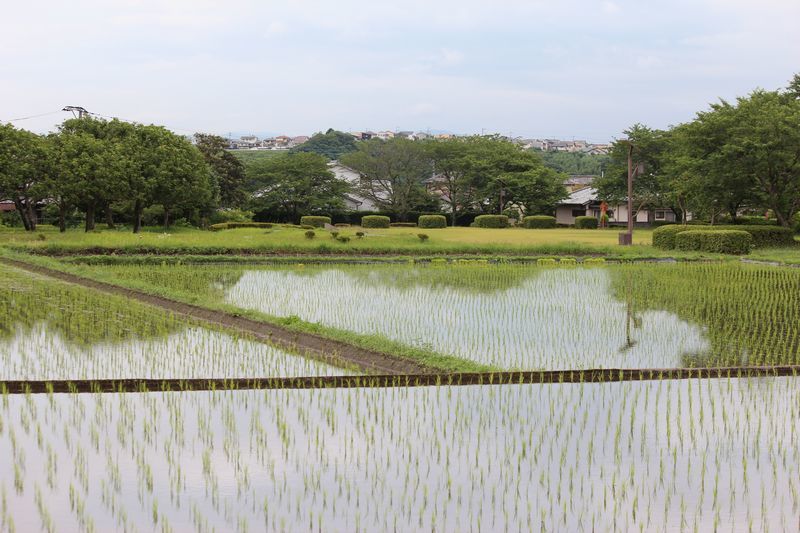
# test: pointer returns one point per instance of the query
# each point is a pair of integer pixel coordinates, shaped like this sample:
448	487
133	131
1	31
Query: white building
353	201
584	202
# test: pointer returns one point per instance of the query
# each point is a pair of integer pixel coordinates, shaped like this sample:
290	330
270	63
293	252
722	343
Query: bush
491	221
236	225
402	225
343	238
797	223
763	236
432	221
755	221
539	222
586	222
310	234
422	237
375	221
315	221
717	241
360	234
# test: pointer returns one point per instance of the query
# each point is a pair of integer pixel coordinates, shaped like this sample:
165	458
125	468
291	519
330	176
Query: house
578	181
405	135
353	201
300	139
421	136
385	135
585	202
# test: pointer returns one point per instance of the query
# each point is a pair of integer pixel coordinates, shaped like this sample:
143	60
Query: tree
332	144
393	173
228	171
22	156
650	188
575	162
186	181
296	184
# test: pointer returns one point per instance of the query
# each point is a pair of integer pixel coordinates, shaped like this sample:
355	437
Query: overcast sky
568	68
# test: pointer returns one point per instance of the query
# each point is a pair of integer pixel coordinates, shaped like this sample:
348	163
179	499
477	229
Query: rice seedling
623	456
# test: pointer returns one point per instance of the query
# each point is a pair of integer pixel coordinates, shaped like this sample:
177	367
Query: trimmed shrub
586	222
717	241
763	236
315	221
343	238
310	234
235	225
230	215
432	221
402	225
755	221
539	222
360	234
491	221
422	237
375	221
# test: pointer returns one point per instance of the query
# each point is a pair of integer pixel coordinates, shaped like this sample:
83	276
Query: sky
564	69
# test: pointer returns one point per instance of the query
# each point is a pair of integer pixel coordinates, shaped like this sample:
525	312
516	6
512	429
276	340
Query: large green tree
295	184
228	170
332	144
23	163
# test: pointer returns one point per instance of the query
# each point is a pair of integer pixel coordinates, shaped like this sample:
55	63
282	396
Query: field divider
329	351
541	377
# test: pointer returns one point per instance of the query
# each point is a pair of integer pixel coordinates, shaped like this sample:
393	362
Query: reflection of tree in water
751	314
78	315
471	277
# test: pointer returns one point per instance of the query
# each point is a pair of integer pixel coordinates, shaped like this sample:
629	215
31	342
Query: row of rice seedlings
51	330
691	455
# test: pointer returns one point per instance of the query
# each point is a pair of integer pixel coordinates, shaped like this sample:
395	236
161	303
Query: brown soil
314	346
393	380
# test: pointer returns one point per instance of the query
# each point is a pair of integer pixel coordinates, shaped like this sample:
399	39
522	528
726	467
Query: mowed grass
290	239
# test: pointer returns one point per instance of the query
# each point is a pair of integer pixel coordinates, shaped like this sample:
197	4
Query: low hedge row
375	221
763	236
539	222
432	221
491	221
586	222
234	225
736	242
315	220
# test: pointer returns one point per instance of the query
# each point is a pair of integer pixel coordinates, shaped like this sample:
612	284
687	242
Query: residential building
585	202
353	201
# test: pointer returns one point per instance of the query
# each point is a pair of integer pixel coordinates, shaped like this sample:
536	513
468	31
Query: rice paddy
696	455
701	454
521	316
53	331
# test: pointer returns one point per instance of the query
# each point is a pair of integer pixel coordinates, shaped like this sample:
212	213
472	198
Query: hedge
375	221
539	222
755	221
736	242
316	221
432	221
586	222
235	225
763	236
491	221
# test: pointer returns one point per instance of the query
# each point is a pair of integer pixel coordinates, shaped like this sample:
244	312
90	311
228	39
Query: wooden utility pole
626	239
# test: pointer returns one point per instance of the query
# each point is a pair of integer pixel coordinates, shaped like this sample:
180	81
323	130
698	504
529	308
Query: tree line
733	158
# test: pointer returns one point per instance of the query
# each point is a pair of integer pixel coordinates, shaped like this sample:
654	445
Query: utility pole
77	111
626	239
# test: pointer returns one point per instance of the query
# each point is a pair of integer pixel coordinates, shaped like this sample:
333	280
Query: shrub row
432	221
315	221
586	222
234	225
375	221
539	222
736	242
491	221
763	236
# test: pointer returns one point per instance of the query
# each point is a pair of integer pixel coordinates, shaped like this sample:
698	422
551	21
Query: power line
34	116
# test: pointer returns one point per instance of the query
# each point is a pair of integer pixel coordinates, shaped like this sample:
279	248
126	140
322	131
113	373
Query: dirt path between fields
608	375
329	351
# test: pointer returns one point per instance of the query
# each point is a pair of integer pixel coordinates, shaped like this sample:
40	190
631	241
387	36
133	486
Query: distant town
285	142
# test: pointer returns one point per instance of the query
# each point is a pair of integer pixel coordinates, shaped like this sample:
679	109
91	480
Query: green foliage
432	221
375	221
422	237
586	222
289	185
539	222
237	225
314	220
331	144
228	171
762	236
721	241
491	221
230	215
755	221
575	162
343	239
